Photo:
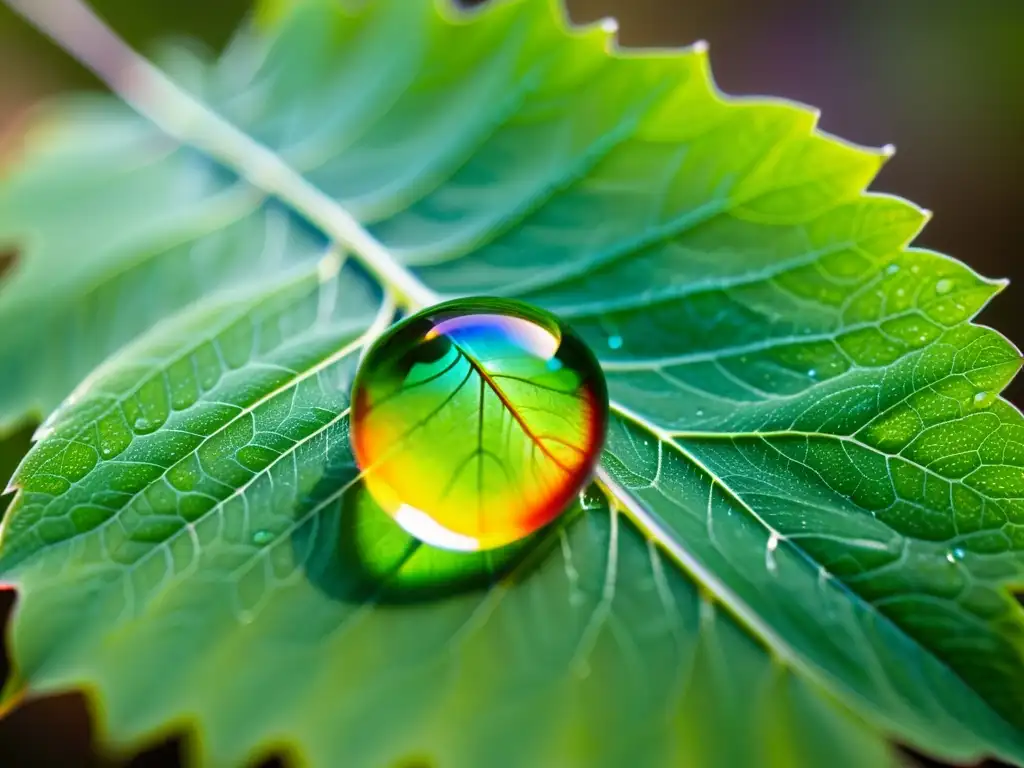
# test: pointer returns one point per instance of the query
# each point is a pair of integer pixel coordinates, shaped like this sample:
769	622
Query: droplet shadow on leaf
357	553
8	258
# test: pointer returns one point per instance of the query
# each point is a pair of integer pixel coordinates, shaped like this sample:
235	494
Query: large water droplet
615	342
943	286
465	431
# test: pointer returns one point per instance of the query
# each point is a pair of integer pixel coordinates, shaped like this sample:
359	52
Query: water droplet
980	398
141	423
958	553
553	364
812	373
262	537
615	342
474	439
769	553
900	293
700	412
107	449
943	286
892	269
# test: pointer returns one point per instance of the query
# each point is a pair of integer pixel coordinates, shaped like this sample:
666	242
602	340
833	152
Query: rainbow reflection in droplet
477	421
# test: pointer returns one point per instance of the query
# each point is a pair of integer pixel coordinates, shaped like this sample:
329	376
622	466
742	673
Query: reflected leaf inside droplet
476	422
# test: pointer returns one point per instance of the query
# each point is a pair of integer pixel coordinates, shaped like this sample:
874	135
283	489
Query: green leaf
803	540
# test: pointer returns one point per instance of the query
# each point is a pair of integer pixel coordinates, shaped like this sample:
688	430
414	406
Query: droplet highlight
943	286
477	422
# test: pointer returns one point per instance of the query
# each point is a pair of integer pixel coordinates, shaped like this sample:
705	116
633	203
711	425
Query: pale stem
74	26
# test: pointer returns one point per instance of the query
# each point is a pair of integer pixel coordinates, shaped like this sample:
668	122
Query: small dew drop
581	670
958	553
980	398
553	364
812	373
141	423
943	287
900	293
700	412
615	342
915	269
892	269
262	537
769	553
106	449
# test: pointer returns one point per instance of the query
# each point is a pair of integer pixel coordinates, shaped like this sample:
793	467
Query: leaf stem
80	32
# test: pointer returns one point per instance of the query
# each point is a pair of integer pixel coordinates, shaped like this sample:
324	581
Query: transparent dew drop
262	537
477	421
943	286
615	342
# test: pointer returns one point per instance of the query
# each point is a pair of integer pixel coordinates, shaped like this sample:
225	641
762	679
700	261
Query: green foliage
807	529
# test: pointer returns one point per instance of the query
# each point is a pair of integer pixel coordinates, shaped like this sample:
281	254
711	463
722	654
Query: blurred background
943	80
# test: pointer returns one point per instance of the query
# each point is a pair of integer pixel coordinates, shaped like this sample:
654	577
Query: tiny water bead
477	421
262	537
